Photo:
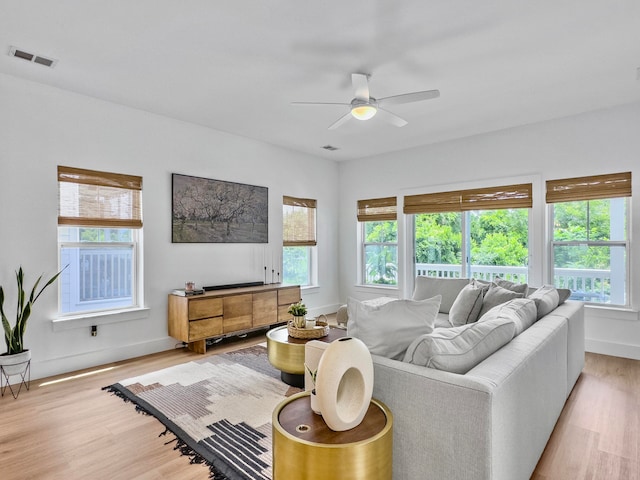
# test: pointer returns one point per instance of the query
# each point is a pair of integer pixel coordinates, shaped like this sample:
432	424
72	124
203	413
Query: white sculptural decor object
344	383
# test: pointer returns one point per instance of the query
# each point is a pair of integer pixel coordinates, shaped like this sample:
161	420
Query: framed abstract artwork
215	211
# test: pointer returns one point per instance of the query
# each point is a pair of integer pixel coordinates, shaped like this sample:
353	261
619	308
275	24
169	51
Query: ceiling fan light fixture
363	112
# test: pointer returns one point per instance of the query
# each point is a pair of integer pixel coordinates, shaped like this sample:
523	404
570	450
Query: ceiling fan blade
360	83
305	104
391	118
340	121
409	97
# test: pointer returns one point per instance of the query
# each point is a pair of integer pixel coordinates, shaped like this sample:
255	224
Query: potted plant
15	360
313	398
298	310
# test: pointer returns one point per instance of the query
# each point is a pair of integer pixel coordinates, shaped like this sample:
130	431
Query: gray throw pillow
459	349
495	296
467	305
546	298
388	329
521	311
564	294
514	287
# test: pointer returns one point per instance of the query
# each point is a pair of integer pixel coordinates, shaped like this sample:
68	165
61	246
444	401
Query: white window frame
312	265
613	243
363	255
136	284
465	247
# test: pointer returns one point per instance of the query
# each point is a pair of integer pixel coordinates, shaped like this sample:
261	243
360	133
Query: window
99	233
481	233
589	237
377	218
298	240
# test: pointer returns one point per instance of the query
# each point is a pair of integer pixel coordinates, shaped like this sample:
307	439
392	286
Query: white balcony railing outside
590	285
96	278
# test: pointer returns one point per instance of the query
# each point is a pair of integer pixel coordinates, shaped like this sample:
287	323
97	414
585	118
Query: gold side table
304	447
287	353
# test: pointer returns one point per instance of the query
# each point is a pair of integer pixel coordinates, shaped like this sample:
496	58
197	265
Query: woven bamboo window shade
490	198
89	198
589	188
298	222
377	209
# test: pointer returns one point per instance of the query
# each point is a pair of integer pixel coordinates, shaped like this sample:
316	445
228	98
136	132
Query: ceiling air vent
31	57
331	148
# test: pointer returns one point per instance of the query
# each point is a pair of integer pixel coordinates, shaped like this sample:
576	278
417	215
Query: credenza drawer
287	296
206	328
238	312
283	313
205	307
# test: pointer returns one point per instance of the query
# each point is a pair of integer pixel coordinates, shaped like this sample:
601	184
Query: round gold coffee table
304	447
287	353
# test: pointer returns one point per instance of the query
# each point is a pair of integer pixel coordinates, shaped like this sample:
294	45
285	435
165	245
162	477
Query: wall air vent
331	148
31	57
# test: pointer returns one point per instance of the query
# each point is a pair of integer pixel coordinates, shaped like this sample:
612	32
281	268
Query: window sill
612	313
310	289
98	318
382	288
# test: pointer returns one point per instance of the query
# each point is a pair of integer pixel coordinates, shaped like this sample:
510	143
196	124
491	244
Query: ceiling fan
364	106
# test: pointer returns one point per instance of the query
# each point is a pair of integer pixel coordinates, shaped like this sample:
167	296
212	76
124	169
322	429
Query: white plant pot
344	383
15	364
315	405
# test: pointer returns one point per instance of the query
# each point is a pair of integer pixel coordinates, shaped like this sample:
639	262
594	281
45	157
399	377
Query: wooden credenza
218	313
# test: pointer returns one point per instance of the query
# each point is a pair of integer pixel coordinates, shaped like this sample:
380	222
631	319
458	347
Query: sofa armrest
442	421
573	313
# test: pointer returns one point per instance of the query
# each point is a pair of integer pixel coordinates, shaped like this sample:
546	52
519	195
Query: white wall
605	141
42	127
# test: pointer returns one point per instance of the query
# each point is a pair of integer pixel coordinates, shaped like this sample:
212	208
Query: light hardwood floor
66	427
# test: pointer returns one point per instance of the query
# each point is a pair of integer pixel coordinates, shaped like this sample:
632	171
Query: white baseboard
613	349
71	363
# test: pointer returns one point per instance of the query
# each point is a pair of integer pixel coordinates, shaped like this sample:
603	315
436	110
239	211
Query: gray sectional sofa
492	422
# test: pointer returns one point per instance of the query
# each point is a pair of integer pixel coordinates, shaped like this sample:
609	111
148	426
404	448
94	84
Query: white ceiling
235	65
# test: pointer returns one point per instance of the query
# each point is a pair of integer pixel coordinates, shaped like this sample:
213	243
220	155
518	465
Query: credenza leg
199	346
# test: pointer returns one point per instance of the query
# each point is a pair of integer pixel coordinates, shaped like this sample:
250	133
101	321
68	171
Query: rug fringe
186	450
114	391
194	457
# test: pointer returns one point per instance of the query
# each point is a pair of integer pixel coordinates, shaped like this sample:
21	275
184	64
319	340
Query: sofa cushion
427	287
546	298
388	329
467	305
459	349
522	311
495	296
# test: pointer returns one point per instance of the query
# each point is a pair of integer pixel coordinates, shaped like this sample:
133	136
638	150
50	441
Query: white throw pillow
459	349
546	298
495	296
467	305
388	329
521	311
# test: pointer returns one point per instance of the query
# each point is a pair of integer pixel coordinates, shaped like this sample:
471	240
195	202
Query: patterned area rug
219	409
